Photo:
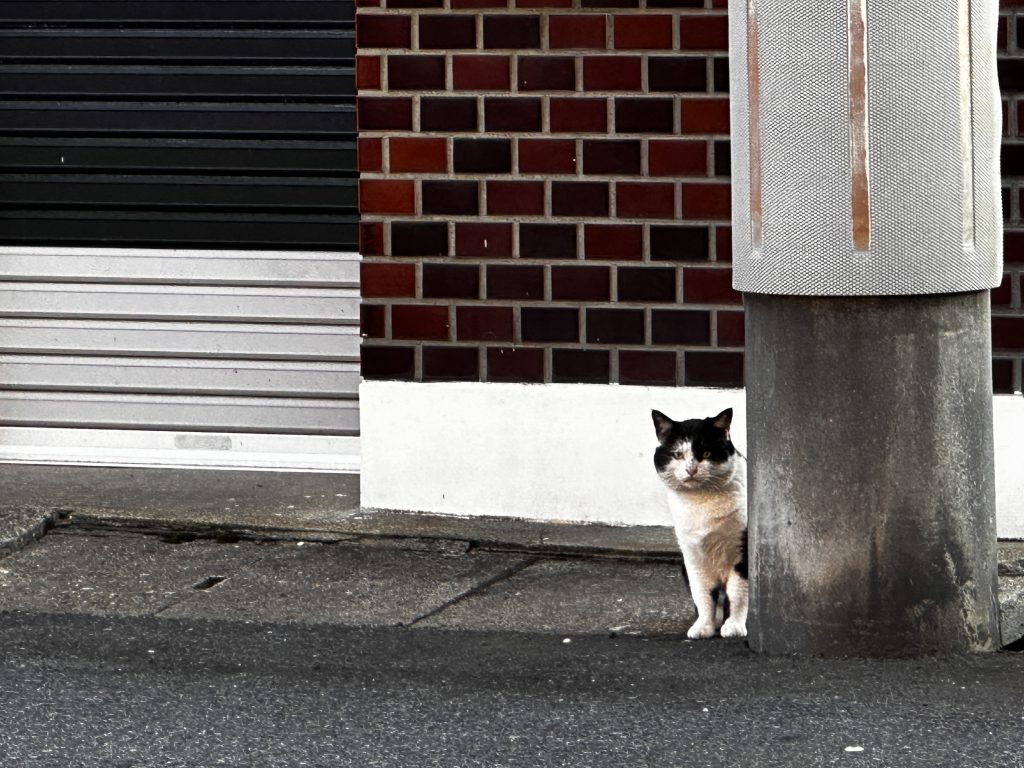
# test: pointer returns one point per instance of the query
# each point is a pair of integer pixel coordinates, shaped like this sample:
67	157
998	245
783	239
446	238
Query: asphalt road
81	690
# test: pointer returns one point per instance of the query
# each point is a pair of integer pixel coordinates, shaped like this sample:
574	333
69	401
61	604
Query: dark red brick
416	73
610	3
372	321
418	322
647	368
1002	376
677	74
644	115
643	32
483	240
417	154
547	156
706	201
620	157
370	155
615	326
482	155
451	281
723	244
547	241
704	33
709	286
515	364
507	31
546	73
515	198
382	280
580	283
704	116
384	113
580	366
484	323
447	114
578	32
645	200
1013	246
386	196
720	74
371	238
515	282
543	3
1008	332
579	198
679	243
451	364
415	3
480	73
713	369
613	241
368	73
681	326
723	158
731	332
450	197
383	31
512	114
549	324
387	362
447	32
612	73
1003	295
477	4
677	157
579	115
646	284
419	238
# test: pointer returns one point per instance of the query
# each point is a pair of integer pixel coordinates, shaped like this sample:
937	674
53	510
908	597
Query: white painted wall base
578	453
203	450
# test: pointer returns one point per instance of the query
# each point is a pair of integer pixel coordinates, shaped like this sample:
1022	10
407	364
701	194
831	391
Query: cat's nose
691	469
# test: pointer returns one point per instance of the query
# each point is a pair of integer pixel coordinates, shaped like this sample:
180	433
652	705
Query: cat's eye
707	454
678	455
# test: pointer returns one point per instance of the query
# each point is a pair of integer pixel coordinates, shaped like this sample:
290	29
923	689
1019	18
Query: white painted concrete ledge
578	453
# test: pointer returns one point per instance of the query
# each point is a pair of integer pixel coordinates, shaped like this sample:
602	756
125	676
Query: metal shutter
178	276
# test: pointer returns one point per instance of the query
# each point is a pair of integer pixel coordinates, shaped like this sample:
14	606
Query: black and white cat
707	496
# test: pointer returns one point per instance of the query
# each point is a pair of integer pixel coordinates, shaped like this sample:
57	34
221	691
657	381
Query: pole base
870	472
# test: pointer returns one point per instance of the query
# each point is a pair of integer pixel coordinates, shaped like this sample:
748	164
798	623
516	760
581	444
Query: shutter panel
180	123
178	220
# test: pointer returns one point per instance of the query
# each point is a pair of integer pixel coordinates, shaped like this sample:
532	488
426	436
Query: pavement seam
43	522
477	589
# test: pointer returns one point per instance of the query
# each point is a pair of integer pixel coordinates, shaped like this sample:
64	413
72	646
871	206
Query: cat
706	481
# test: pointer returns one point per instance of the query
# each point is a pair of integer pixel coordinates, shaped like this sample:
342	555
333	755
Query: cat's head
694	454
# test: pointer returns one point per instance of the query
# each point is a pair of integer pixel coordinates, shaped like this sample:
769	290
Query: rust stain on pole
861	196
754	124
966	124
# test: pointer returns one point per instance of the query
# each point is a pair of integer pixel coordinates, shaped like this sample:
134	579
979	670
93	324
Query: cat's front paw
701	630
732	628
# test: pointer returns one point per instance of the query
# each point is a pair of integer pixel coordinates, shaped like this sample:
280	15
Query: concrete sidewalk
295	547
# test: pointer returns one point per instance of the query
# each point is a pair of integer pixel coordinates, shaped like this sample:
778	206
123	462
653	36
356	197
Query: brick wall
1007	306
544	193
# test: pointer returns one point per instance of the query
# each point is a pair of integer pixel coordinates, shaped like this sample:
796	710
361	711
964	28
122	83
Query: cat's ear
724	421
662	424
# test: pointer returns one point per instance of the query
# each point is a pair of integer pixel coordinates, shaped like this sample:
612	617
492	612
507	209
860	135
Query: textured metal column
869	427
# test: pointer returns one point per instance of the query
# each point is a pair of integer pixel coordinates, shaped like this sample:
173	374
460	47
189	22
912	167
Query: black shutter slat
25	227
178	123
179	46
337	159
231	13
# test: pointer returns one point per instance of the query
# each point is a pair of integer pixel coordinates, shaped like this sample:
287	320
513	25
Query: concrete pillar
871	483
